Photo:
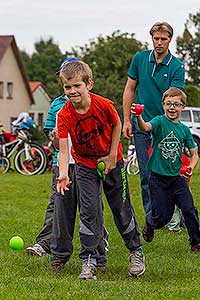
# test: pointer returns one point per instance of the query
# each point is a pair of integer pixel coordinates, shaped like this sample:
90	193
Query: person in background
150	74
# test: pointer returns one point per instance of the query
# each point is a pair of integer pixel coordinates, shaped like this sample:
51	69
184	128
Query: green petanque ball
101	166
16	243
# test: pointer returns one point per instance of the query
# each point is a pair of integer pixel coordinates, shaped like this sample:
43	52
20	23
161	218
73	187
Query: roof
5	42
35	84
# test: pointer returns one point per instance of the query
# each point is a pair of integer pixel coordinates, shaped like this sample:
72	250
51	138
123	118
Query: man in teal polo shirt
150	74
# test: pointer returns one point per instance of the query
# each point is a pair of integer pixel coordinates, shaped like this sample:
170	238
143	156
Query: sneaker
36	250
88	271
56	265
137	266
101	267
148	233
195	248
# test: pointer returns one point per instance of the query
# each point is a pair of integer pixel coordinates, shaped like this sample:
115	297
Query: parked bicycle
30	157
131	163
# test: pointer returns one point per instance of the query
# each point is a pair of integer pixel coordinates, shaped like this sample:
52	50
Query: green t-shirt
154	79
168	139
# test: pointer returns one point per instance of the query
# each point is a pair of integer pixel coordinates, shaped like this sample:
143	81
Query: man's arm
178	78
128	99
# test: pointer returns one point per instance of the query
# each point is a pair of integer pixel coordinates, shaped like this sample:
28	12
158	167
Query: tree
188	48
43	63
109	58
193	95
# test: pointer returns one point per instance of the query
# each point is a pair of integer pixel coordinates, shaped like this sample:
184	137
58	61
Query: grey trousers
64	217
44	236
117	193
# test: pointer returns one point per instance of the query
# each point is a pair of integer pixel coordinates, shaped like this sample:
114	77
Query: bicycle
30	157
131	163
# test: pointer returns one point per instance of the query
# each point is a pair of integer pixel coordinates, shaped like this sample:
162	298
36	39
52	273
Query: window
186	116
40	119
1	89
9	90
196	116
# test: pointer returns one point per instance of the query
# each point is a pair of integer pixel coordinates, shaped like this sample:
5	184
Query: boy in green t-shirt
168	186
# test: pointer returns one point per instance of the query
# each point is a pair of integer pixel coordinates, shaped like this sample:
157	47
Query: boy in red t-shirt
94	126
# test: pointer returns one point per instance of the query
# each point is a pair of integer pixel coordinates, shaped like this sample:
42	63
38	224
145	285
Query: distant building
15	93
41	105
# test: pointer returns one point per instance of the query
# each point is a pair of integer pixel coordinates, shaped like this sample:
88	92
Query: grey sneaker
88	270
137	266
36	250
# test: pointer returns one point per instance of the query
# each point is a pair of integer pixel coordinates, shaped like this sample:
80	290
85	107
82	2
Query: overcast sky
74	23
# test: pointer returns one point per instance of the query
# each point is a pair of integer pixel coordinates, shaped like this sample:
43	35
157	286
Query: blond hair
172	92
162	27
76	69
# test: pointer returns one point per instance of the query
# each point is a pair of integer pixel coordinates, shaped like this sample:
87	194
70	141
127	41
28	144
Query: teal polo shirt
154	79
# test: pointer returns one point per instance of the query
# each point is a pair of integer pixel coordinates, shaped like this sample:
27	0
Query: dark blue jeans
166	191
142	143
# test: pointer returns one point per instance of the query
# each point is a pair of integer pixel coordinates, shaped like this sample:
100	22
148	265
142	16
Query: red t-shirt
91	133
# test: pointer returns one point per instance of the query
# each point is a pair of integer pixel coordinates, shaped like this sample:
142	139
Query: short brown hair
76	68
172	92
162	27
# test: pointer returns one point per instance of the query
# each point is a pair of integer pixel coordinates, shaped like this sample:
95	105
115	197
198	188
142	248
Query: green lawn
172	271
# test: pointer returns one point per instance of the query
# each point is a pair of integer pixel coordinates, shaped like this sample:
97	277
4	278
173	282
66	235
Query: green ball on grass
16	243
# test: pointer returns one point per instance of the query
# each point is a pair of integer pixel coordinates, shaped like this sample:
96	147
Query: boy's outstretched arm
144	126
63	181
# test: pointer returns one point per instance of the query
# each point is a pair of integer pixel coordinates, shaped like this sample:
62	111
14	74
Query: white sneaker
137	265
36	250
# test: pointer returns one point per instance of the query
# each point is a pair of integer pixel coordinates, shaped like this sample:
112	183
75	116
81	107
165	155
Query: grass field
172	271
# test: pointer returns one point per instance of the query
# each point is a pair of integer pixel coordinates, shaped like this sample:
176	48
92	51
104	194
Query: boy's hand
186	171
137	109
110	163
63	183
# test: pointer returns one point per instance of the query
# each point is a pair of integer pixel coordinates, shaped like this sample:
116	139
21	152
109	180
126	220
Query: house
39	109
15	93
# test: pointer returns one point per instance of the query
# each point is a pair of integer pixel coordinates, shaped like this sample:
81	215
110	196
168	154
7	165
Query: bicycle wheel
132	167
4	165
36	163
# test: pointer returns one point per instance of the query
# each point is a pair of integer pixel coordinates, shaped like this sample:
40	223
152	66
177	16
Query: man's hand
127	130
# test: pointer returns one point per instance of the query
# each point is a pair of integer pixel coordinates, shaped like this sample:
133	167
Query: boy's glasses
174	104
